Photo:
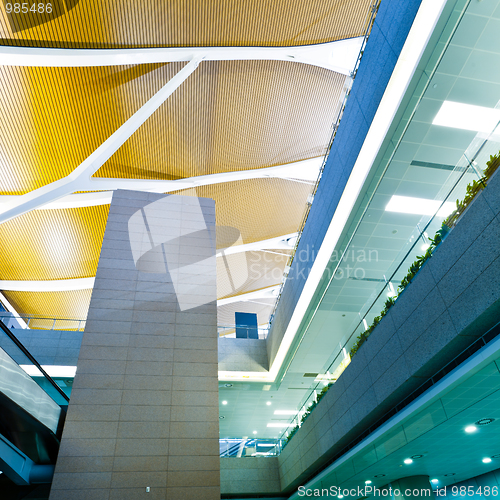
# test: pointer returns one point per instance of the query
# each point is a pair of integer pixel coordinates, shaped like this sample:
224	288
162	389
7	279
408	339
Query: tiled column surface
144	407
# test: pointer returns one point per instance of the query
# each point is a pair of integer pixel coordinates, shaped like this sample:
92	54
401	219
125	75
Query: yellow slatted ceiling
54	118
229	116
67	305
52	244
259	208
150	23
62	244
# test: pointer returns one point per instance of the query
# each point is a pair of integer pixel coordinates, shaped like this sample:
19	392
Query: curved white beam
339	56
302	170
96	160
47	285
88	283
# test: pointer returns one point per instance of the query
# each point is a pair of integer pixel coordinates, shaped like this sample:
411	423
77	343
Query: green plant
491	165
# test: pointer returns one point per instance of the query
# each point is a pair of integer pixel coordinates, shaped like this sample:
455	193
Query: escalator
31	422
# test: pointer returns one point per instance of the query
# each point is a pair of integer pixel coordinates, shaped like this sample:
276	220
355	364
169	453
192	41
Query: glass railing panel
229	331
245	447
34	322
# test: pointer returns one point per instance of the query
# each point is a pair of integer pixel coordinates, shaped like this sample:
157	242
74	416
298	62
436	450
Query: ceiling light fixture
485	421
379	475
221	417
470	428
416	457
268	403
486	460
255	432
450	474
368	481
467	117
408	461
224	402
434	481
419	206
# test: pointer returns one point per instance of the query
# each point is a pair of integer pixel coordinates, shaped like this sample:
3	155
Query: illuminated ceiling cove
234	102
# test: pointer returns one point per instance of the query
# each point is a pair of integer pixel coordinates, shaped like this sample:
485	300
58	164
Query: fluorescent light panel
419	206
51	370
467	117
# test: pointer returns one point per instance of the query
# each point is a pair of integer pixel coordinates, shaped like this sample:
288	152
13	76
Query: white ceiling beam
339	56
96	160
64	285
301	170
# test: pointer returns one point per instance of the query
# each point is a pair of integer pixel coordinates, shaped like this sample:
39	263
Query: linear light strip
51	370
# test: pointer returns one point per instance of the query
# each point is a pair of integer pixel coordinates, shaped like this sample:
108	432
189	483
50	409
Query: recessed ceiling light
221	417
268	403
485	421
486	460
419	206
368	481
467	117
224	402
450	474
495	456
471	428
228	385
416	457
379	475
434	481
340	496
408	461
255	432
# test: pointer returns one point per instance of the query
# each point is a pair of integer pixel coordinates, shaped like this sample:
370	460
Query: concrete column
144	407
